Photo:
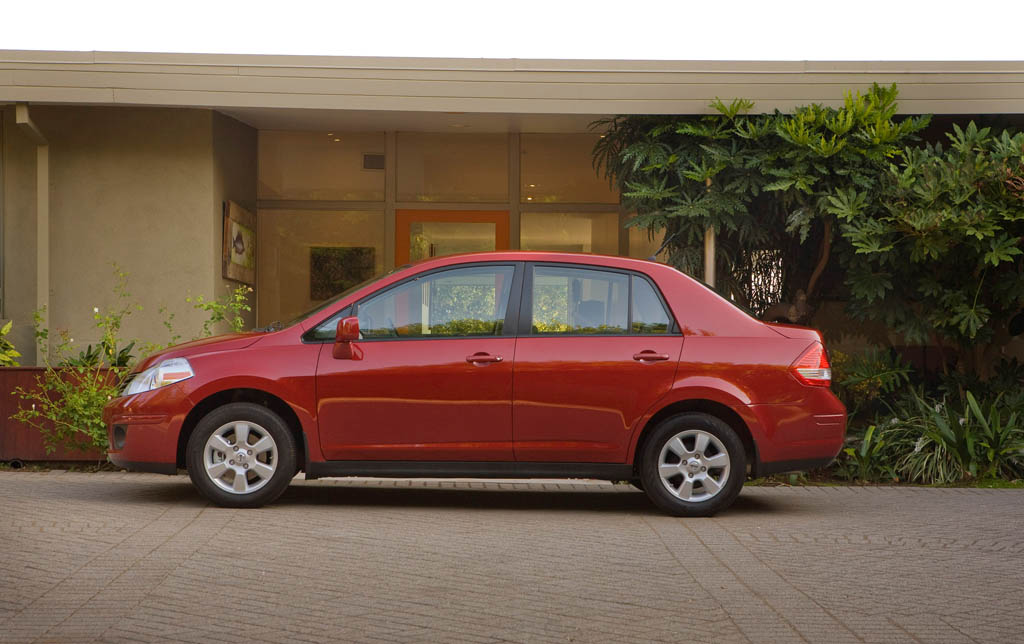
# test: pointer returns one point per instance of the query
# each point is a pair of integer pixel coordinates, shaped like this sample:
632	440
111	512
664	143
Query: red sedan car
504	364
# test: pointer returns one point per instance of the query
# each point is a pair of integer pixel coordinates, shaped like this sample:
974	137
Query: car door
431	376
597	348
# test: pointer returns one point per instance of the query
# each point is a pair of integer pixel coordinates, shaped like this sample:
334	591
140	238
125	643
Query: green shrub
867	460
923	439
860	378
227	308
949	440
66	404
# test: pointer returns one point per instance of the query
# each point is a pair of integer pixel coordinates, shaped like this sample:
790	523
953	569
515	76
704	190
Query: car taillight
812	367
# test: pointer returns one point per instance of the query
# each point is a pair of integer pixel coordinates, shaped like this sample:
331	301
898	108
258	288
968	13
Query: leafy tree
936	253
771	185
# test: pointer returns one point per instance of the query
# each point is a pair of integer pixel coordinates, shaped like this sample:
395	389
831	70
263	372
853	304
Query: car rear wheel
693	465
241	455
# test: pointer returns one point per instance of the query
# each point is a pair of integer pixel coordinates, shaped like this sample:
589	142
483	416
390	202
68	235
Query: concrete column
390	196
24	121
514	191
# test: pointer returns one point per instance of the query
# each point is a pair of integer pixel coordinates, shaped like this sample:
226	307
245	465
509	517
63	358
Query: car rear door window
461	302
649	315
578	301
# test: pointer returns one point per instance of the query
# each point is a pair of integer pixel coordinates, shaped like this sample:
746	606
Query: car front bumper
143	429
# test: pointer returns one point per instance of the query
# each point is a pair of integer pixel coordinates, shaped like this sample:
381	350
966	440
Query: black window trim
526	303
509	325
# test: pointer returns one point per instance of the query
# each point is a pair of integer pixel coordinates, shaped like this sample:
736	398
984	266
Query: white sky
625	29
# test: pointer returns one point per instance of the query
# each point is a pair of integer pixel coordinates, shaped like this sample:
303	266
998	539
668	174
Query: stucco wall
234	179
19	234
138	186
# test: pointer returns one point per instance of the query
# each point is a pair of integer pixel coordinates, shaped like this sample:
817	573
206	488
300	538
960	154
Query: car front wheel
693	465
241	455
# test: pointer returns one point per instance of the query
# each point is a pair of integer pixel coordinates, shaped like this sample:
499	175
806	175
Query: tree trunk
826	251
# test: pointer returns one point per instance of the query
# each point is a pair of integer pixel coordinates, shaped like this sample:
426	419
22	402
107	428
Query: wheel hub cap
240	457
694	465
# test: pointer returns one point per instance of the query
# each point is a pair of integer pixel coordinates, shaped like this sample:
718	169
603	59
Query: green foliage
943	425
765	182
96	355
66	404
861	378
8	354
928	239
949	223
227	308
940	441
867	461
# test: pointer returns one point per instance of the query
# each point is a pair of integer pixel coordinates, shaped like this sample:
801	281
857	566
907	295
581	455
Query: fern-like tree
936	250
770	185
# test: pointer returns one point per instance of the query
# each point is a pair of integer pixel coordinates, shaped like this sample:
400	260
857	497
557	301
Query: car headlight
165	373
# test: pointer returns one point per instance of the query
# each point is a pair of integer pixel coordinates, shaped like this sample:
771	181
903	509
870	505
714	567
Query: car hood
227	342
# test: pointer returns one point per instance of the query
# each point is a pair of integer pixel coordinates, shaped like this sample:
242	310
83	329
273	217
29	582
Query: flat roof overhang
313	92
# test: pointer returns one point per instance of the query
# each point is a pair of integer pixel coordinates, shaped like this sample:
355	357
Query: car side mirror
346	334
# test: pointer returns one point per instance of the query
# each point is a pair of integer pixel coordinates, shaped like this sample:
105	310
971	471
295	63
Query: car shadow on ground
628	500
462	498
484	499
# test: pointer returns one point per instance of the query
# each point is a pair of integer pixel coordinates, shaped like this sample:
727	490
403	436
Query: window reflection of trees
463	302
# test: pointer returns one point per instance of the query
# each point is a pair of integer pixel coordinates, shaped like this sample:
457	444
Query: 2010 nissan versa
501	364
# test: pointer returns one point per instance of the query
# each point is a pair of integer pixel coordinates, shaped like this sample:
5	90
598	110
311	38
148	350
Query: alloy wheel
240	457
694	465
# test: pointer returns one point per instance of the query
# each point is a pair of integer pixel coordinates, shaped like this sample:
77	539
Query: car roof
614	261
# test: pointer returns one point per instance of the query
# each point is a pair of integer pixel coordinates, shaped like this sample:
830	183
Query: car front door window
467	302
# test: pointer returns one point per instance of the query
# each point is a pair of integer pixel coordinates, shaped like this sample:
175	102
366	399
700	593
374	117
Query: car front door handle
650	356
483	358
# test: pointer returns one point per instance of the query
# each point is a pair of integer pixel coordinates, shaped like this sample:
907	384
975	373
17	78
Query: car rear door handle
483	358
649	356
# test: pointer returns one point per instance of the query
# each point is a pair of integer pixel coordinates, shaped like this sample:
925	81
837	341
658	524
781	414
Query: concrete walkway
130	557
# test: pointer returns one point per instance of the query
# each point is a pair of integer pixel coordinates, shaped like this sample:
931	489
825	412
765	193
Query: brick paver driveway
118	557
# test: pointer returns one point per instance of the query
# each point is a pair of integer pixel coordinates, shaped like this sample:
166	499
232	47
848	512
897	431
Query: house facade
308	174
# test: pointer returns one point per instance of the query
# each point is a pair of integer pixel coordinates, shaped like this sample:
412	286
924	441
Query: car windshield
327	303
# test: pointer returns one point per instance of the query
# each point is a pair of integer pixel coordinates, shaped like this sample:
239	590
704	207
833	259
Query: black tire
729	480
259	423
638	483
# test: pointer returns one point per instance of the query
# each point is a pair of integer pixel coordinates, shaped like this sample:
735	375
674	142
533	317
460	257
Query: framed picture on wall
238	259
333	269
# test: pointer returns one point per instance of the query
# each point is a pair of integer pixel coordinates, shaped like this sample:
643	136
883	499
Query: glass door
420	234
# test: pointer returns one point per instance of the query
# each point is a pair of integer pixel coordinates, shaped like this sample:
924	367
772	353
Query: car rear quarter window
649	314
579	301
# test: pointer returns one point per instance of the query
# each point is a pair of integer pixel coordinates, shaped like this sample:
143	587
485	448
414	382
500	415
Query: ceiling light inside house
336	140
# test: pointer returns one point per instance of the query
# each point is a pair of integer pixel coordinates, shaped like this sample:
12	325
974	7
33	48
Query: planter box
22	442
